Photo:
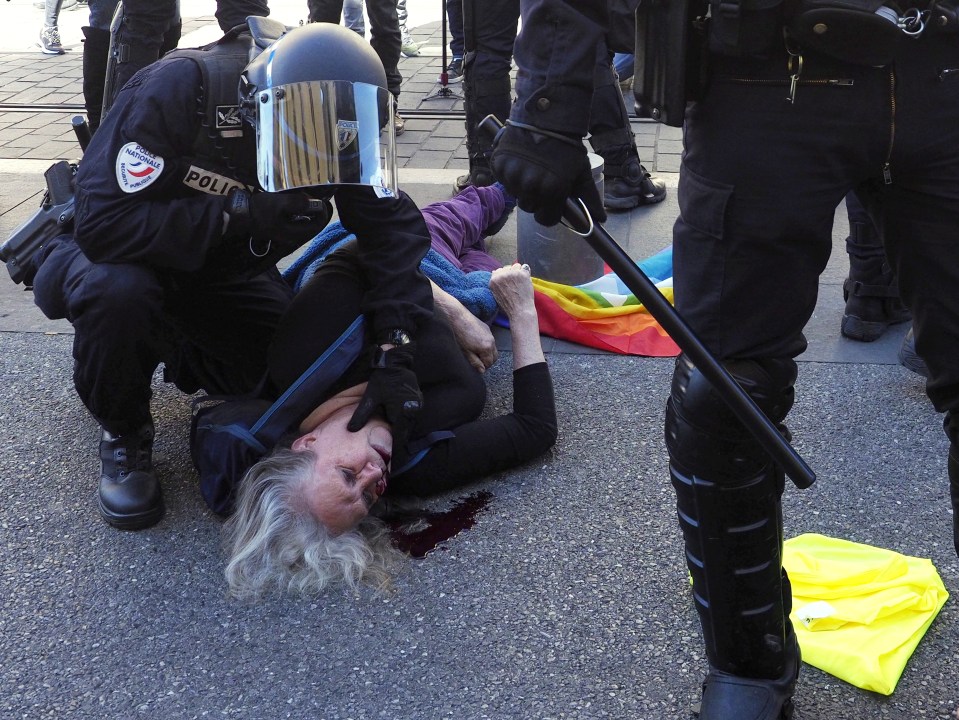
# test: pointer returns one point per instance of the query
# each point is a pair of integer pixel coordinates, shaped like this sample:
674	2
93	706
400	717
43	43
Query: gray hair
275	544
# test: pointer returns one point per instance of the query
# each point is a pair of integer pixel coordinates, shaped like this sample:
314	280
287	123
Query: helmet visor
329	132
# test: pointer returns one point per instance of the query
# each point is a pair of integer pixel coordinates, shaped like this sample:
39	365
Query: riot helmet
318	99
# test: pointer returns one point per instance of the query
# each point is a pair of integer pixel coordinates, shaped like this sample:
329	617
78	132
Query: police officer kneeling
211	165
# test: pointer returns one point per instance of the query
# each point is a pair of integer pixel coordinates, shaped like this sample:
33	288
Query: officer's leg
489	33
918	213
116	314
748	253
141	31
870	291
221	331
386	40
627	183
230	13
325	10
96	51
728	499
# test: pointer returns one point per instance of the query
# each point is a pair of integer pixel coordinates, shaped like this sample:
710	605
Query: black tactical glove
543	170
393	391
274	224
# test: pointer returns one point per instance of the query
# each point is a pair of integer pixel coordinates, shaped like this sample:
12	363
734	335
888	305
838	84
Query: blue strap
419	448
303	395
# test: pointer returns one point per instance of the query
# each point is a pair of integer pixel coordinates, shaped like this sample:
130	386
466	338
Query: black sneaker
129	492
454	71
50	41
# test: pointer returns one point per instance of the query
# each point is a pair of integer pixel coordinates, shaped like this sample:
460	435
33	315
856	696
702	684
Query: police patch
137	167
228	117
209	182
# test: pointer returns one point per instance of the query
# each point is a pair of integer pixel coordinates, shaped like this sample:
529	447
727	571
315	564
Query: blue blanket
471	289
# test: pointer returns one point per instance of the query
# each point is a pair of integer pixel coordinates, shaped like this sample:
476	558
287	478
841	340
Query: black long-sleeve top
454	392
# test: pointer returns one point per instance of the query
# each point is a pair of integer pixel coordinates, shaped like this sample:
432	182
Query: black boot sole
138	521
631	201
856	328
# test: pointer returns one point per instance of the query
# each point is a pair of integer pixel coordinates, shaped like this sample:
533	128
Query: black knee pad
703	434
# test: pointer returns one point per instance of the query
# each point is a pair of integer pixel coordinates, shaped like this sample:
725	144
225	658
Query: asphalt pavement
565	596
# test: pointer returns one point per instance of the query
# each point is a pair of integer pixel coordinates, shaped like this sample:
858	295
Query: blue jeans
623	64
101	13
51	13
454	24
353	17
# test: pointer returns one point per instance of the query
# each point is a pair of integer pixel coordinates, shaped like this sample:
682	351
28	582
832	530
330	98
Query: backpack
228	436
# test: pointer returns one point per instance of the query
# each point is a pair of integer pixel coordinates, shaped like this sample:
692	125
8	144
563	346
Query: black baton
661	309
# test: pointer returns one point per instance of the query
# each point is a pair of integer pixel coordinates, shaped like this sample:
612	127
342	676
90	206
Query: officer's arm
132	202
558	48
392	239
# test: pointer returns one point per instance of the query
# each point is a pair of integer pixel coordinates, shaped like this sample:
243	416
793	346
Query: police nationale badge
137	167
346	132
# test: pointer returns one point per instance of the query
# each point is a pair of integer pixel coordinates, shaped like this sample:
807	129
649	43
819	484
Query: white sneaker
50	41
410	47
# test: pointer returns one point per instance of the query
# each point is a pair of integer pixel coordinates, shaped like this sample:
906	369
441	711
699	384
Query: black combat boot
727	696
626	183
129	497
870	291
479	175
909	358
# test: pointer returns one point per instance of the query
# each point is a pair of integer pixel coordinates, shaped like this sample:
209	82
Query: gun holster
670	57
55	217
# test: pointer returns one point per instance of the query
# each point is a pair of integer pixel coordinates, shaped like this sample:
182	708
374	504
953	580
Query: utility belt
863	32
675	38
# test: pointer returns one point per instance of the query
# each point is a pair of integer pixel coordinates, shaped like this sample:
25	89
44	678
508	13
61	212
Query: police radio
669	70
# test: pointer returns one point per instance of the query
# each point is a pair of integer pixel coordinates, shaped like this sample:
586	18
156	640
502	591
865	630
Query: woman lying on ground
303	515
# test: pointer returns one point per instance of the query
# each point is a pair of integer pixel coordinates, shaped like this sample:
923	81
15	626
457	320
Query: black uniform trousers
385	36
762	177
489	31
211	333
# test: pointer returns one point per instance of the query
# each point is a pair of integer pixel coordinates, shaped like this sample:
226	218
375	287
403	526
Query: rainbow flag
604	314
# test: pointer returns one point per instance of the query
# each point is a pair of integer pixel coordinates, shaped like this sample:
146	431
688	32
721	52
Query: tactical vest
224	152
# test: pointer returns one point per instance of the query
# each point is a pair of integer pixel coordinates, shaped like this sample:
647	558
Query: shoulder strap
221	64
301	397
